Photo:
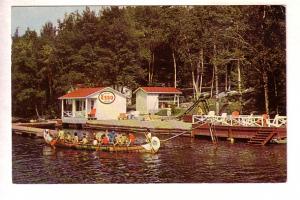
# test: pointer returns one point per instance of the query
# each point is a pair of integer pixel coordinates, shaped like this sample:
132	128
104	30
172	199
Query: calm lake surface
181	160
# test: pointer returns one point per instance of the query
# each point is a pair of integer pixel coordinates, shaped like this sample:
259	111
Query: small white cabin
102	103
152	99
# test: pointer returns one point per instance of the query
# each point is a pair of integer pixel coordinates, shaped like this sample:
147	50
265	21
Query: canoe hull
151	147
107	148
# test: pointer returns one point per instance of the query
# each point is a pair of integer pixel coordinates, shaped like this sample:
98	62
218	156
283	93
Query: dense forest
212	49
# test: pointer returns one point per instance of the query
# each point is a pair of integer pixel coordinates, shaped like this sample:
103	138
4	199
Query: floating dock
20	129
254	135
36	129
136	129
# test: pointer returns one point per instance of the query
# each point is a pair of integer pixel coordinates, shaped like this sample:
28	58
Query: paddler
131	139
99	136
104	140
84	139
68	137
95	141
118	139
111	136
124	140
61	135
148	136
75	139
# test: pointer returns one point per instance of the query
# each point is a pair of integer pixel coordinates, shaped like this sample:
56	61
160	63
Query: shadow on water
181	160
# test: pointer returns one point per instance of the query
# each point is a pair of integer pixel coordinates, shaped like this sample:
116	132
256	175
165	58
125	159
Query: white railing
80	114
241	120
68	114
278	121
199	119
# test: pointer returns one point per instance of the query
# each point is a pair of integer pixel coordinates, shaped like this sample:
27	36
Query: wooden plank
29	130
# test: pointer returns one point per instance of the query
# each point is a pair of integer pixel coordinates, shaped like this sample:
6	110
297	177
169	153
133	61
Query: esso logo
106	97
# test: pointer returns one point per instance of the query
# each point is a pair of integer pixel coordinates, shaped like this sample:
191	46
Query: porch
77	111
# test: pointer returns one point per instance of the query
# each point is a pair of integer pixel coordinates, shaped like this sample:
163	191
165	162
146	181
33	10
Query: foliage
136	46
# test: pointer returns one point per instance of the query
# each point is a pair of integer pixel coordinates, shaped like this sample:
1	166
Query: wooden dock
36	129
136	129
257	135
21	129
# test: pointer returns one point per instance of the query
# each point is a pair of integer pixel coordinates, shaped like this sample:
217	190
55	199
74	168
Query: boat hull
151	147
107	148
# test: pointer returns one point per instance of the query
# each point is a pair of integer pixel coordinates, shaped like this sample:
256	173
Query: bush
162	112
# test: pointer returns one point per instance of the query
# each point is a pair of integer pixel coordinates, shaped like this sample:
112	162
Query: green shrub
162	112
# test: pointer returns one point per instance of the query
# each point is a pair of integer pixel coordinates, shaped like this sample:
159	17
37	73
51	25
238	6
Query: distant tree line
205	48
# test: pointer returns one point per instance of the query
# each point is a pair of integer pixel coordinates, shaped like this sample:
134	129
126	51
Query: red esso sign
106	97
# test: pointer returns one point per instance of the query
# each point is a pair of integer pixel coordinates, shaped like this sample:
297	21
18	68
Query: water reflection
182	160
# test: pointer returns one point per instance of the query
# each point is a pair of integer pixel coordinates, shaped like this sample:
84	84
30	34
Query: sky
35	17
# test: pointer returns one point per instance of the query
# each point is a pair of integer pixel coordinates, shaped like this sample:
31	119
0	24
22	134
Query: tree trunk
266	90
226	78
239	77
212	83
195	83
175	70
50	88
152	69
276	93
149	72
229	80
239	85
217	80
197	76
202	70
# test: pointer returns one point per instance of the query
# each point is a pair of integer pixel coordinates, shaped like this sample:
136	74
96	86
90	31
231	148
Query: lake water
181	160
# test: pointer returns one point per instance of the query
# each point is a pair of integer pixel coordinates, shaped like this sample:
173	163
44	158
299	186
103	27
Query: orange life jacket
131	137
105	140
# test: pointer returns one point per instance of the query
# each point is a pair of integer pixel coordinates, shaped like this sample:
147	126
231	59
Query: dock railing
241	120
278	121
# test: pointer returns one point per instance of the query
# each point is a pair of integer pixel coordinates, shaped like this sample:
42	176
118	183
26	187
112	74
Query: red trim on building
169	90
81	93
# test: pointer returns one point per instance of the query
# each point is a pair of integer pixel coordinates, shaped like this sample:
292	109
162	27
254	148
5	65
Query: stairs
262	137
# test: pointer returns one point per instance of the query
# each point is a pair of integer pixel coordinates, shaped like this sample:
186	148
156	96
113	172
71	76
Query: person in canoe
148	136
98	136
68	137
117	139
84	139
104	140
111	136
121	139
61	135
75	139
131	138
95	141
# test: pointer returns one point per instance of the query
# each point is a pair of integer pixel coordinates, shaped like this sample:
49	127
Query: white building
152	99
103	103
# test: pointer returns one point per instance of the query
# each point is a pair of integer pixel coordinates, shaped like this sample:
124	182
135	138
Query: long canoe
151	147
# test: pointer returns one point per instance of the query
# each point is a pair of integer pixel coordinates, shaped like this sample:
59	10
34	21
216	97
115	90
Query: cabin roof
81	93
87	92
160	90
